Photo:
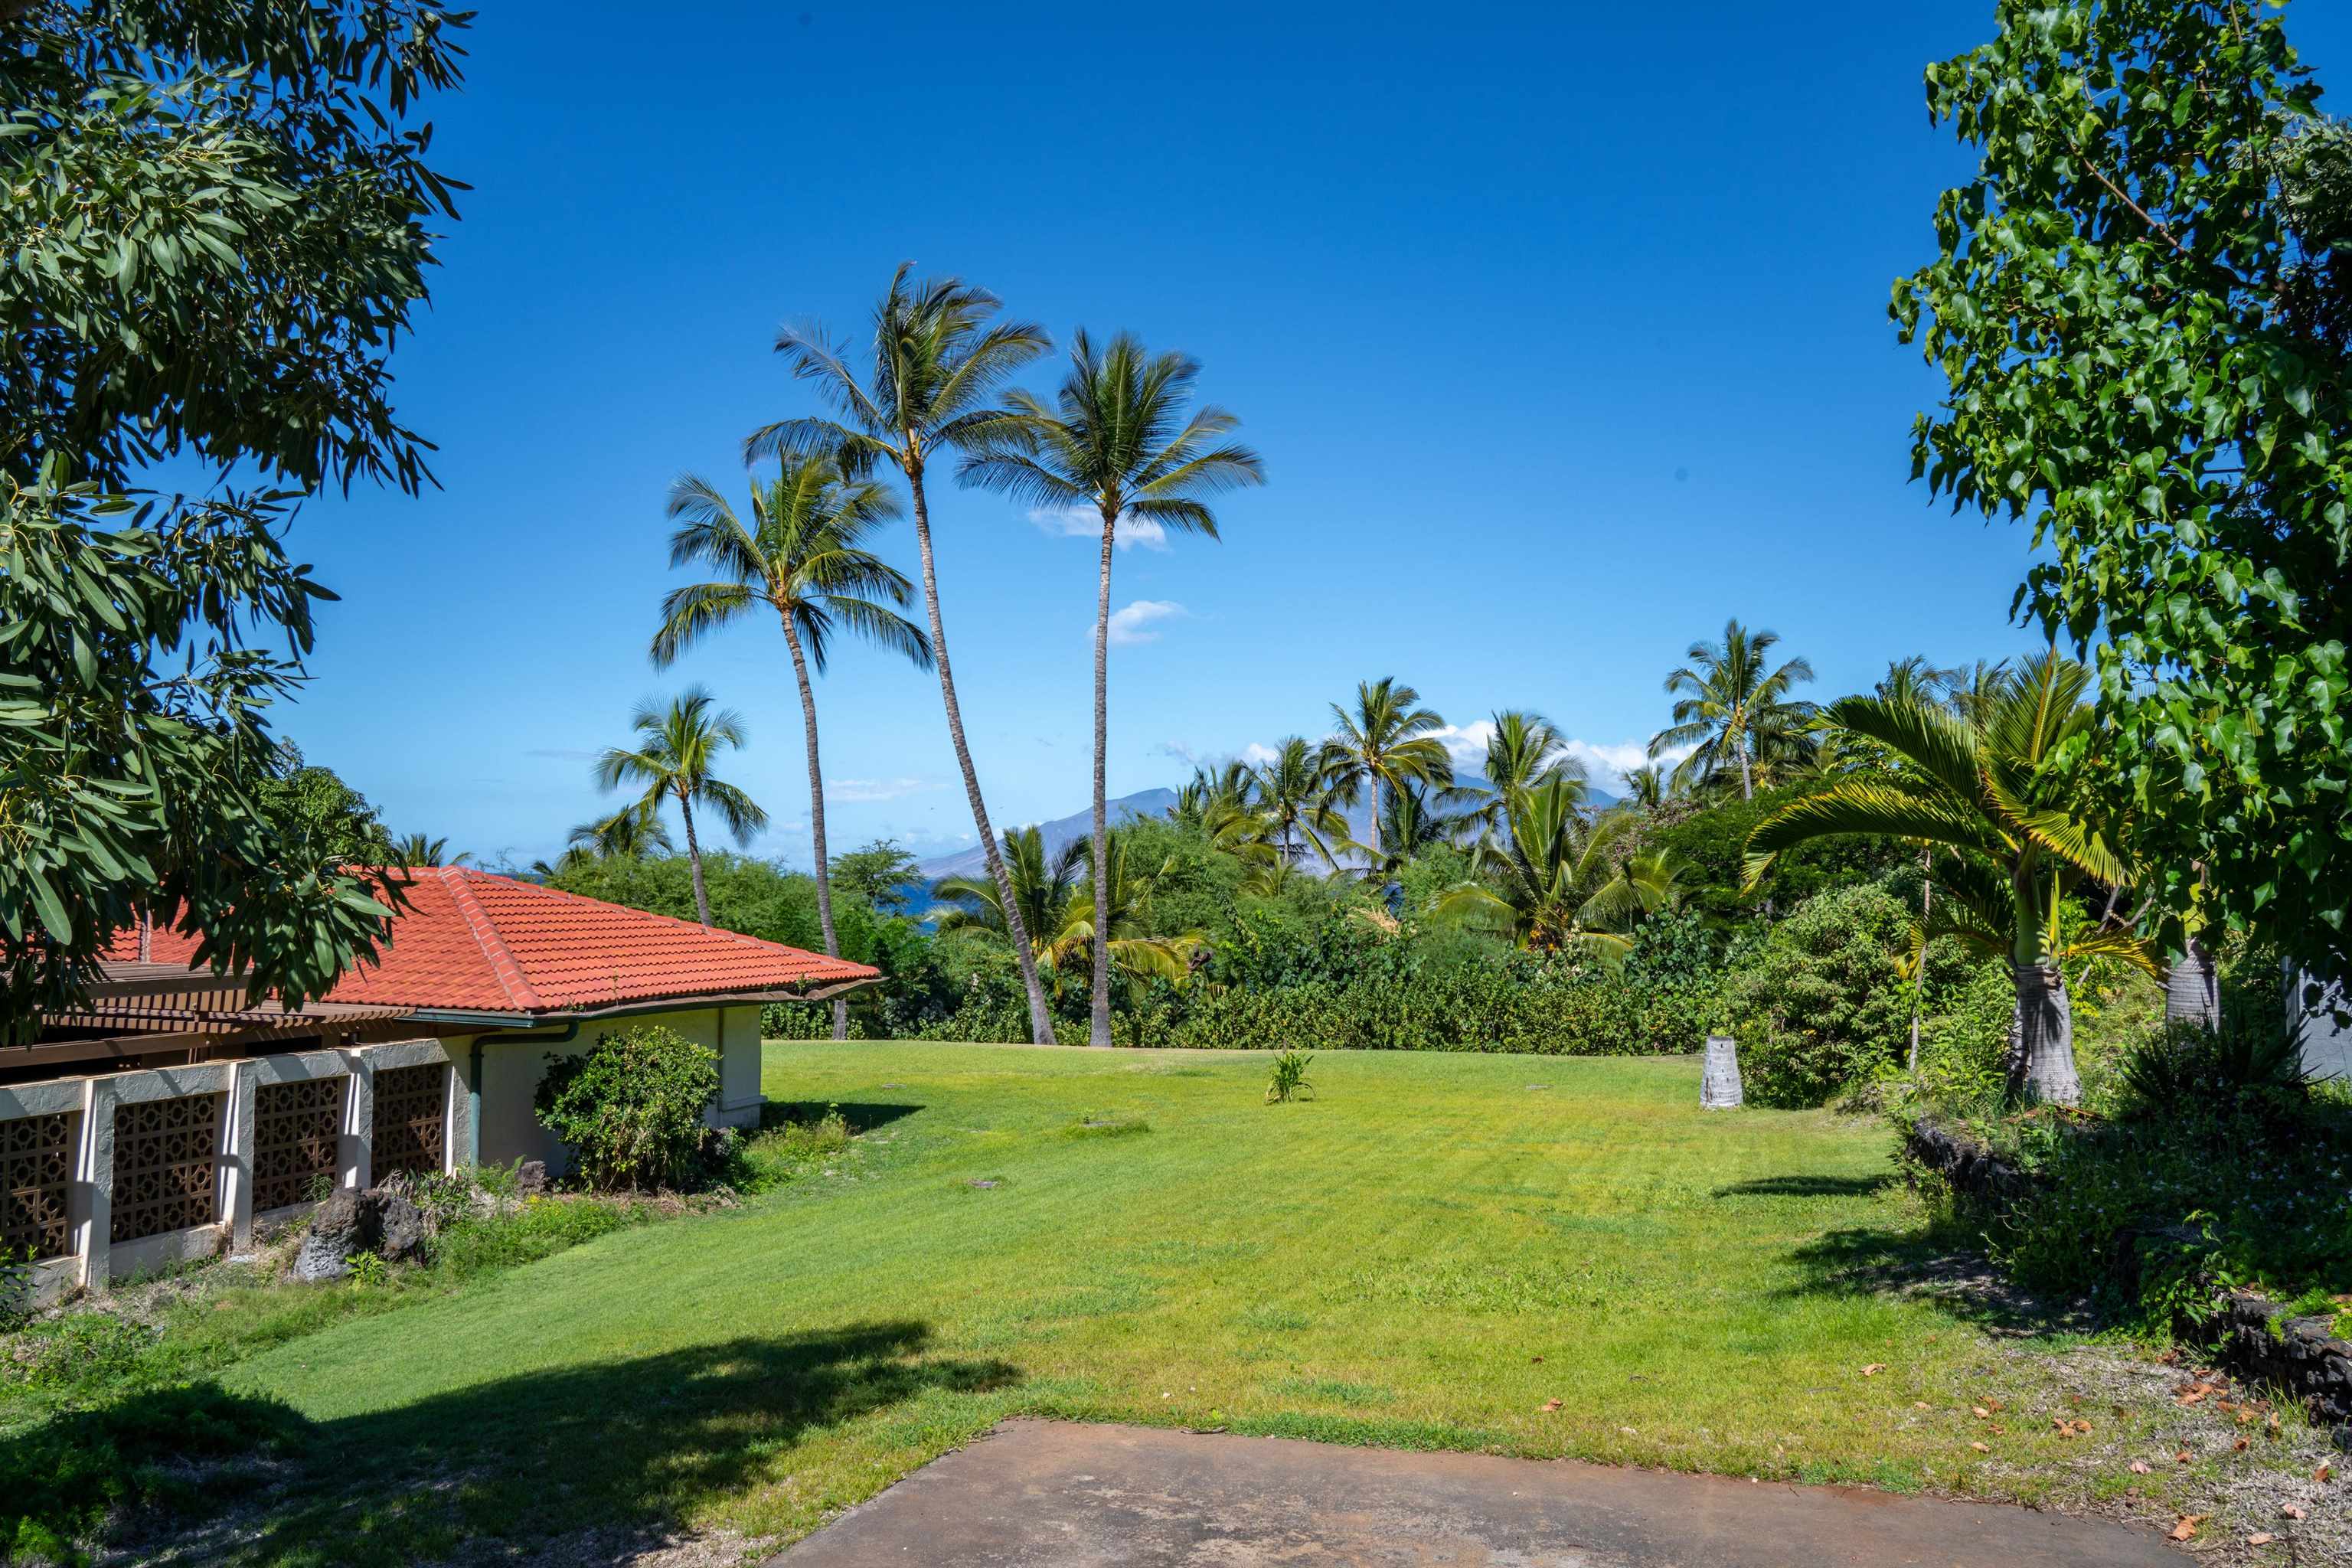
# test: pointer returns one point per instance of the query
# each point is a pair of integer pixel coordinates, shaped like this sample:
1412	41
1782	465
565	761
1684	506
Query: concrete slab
1040	1494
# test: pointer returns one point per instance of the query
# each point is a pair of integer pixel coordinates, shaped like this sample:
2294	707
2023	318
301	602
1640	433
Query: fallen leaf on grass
2244	1417
2139	1467
2290	1510
1981	1447
2321	1474
1873	1369
2182	1457
1553	1404
2191	1398
2066	1428
1980	1411
1918	1405
2239	1446
2261	1538
1534	1358
2188	1525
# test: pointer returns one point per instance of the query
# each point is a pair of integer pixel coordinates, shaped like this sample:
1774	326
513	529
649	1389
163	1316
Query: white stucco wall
511	1068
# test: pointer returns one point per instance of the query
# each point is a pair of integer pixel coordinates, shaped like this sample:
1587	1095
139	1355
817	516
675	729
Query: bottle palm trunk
2041	1039
1041	1019
817	821
2191	993
694	860
1098	1008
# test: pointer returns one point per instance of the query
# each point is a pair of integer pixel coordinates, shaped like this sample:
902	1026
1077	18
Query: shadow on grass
862	1117
1937	1267
1809	1187
620	1450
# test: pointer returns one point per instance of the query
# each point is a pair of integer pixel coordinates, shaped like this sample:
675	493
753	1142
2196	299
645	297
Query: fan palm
1522	751
939	360
800	556
1734	710
1991	790
1041	884
1117	441
1294	792
1384	743
673	758
1553	882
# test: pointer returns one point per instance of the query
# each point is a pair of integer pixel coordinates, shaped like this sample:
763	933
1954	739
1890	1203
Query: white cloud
1255	754
1085	523
873	789
1132	625
1465	742
1610	763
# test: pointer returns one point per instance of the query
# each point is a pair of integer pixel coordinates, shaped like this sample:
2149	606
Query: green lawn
1426	1254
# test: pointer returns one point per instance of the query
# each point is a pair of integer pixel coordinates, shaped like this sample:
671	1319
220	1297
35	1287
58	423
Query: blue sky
1561	329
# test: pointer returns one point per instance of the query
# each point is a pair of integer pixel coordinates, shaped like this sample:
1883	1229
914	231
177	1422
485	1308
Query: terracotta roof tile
476	941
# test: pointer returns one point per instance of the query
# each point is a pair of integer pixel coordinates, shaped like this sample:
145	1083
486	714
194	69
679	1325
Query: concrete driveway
1042	1494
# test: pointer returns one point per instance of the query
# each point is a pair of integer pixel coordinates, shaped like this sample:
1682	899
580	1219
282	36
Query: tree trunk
816	822
1098	1011
1747	777
2041	1040
1927	907
1040	1018
1374	842
694	860
2190	991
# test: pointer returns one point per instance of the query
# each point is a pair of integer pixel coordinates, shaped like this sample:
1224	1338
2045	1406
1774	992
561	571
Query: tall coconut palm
1992	791
1415	818
1522	751
1382	744
800	556
1294	792
1734	709
939	360
677	749
1119	442
1553	880
1041	884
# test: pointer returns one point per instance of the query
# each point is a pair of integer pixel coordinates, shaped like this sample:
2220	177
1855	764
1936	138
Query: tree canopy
2139	308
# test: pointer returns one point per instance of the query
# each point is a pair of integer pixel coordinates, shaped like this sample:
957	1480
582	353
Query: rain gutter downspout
562	1036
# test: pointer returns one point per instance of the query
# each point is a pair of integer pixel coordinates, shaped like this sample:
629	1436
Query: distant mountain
1155	803
1060	831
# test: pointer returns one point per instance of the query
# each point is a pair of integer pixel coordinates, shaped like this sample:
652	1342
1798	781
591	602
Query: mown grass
1428	1255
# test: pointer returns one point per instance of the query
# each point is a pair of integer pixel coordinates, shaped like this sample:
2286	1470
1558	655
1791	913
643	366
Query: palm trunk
816	822
1927	907
694	860
1099	1012
2191	995
2041	1039
1374	841
1747	777
1041	1019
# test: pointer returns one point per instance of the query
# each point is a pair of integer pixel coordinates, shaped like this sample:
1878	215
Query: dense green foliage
631	1107
2141	311
214	216
1826	1004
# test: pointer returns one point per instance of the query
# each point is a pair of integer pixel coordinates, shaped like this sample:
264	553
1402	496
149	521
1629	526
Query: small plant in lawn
631	1109
369	1272
1288	1079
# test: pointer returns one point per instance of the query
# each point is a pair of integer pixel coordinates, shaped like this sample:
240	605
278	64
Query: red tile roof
474	941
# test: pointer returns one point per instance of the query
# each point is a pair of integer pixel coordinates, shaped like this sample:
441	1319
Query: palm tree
1117	440
1294	792
1648	787
938	360
1126	893
800	556
416	849
1732	711
1415	818
1384	745
1991	789
632	832
1554	882
673	761
1523	751
1041	884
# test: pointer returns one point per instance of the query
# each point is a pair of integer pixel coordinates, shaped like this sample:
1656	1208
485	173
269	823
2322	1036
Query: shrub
631	1107
2253	1059
1826	1004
